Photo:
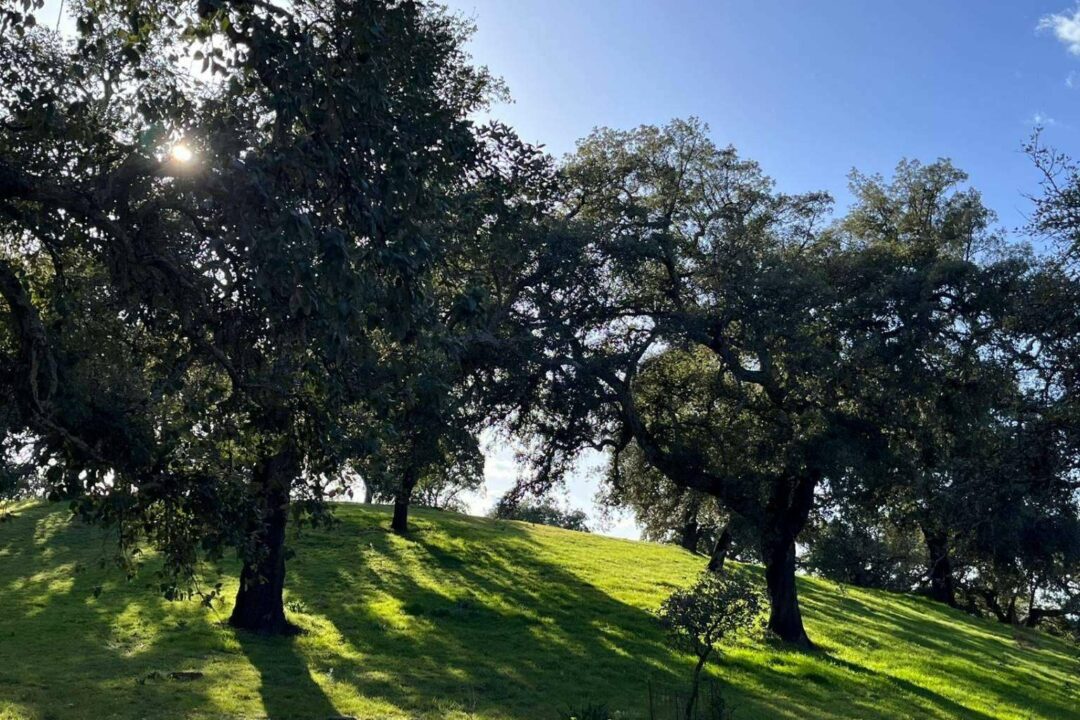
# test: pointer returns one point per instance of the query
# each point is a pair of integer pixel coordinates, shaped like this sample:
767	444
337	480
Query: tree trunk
942	585
786	514
259	602
400	523
690	536
990	597
785	619
690	531
720	551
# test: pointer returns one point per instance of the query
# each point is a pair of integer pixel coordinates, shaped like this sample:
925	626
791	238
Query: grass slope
473	618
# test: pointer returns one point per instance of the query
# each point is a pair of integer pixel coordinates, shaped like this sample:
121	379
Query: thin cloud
1066	28
1042	120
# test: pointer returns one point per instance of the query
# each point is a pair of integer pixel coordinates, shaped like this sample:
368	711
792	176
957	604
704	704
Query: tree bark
400	523
690	536
260	604
786	514
720	551
1002	615
942	584
785	618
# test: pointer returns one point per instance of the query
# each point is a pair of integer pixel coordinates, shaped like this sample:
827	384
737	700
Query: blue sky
808	89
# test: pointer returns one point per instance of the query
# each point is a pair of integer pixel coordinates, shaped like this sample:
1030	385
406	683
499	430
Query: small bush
713	610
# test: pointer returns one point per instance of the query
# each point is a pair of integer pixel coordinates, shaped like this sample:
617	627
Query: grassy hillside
473	618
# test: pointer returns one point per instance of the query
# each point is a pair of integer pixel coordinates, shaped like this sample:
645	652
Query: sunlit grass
473	618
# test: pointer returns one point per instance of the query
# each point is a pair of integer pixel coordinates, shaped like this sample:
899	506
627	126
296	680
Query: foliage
259	314
542	511
854	549
981	434
664	511
1057	210
715	609
749	354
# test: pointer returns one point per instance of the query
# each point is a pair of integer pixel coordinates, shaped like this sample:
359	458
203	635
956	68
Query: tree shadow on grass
286	687
75	637
479	615
973	656
464	615
475	617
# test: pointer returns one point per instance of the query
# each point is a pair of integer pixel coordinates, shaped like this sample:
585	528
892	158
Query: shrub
713	610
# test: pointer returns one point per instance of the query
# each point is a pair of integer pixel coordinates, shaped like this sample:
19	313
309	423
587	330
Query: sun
181	153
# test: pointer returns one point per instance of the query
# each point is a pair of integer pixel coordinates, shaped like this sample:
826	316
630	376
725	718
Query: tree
257	240
468	366
713	610
541	511
1057	210
983	379
856	547
695	265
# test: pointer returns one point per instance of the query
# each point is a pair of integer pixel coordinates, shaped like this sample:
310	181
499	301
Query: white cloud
1066	28
1042	120
1072	80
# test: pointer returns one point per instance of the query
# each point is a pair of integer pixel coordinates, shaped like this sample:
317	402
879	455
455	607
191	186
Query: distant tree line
230	294
541	511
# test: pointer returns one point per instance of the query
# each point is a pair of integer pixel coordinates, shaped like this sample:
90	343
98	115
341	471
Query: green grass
474	618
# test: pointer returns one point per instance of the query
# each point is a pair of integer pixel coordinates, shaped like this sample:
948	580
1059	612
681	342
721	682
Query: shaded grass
475	618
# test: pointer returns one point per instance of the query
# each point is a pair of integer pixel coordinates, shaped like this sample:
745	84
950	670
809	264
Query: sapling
710	612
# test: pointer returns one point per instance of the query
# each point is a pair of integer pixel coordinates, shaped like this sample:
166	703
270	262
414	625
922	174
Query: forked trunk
259	602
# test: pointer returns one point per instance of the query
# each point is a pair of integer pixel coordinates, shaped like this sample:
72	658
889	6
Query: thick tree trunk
400	522
259	602
786	515
720	551
942	585
785	618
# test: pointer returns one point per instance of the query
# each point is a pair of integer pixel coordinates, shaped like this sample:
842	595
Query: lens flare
181	153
